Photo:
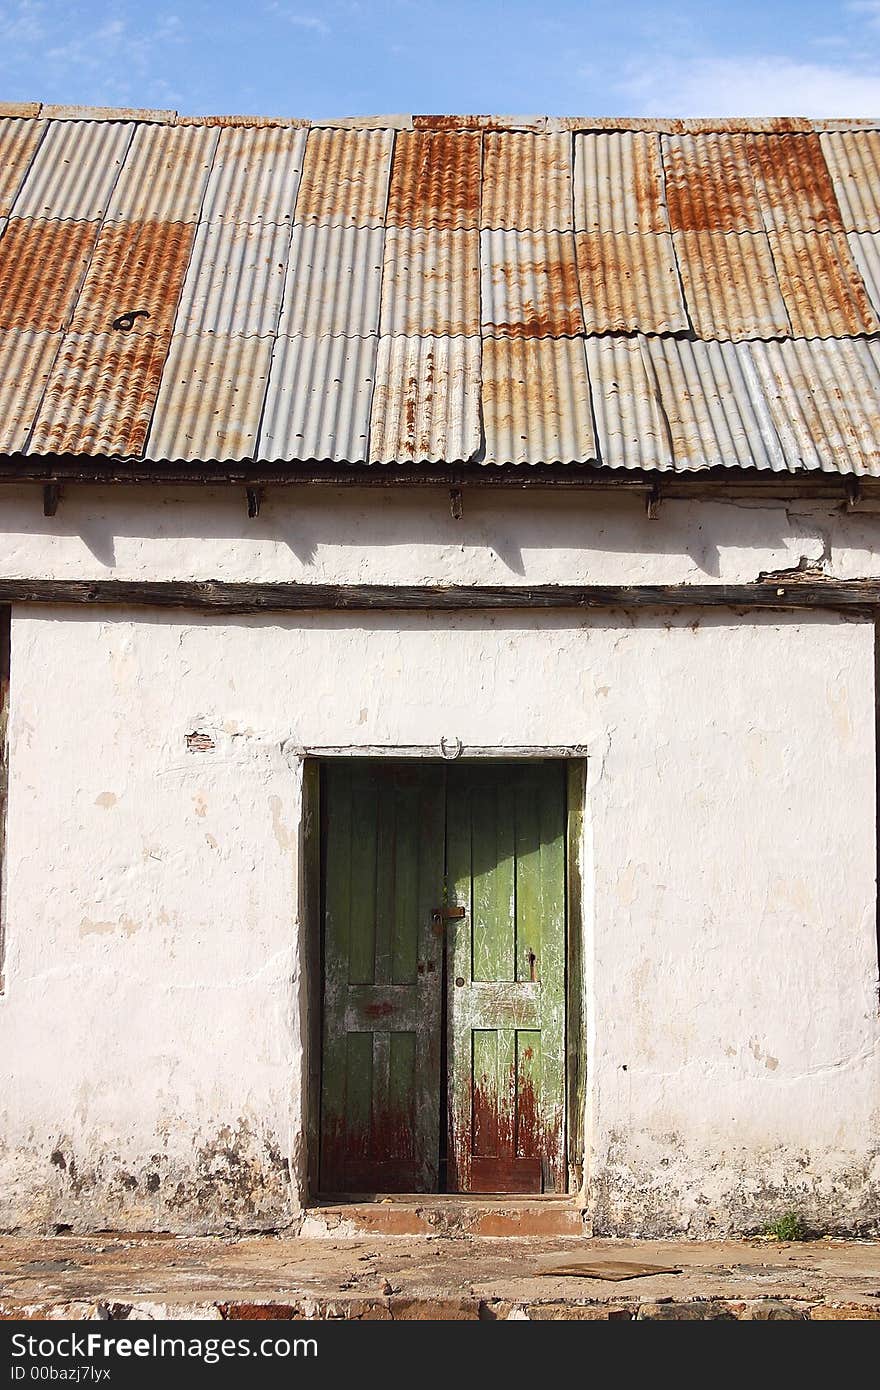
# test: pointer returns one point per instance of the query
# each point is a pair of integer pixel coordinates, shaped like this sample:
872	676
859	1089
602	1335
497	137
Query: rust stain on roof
426	405
42	265
710	186
164	175
100	396
822	286
794	184
136	265
730	285
527	182
345	177
618	183
853	161
536	401
435	180
431	282
18	145
629	281
530	285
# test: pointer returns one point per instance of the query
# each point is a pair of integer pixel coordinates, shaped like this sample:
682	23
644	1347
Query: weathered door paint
505	837
383	872
406	848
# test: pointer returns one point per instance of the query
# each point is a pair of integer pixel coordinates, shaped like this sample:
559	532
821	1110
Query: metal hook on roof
445	753
125	322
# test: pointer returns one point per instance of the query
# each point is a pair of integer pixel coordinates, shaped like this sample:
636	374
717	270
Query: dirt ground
433	1277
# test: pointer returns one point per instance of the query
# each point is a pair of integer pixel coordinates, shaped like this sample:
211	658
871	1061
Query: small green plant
786	1227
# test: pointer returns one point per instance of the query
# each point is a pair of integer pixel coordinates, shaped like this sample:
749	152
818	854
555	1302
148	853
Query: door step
445	1215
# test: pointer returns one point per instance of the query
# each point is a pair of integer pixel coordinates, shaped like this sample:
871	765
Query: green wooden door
505	846
383	876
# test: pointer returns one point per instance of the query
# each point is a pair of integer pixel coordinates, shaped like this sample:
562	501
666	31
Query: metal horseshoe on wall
445	753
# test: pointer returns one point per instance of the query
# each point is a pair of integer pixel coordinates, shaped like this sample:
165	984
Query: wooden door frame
575	758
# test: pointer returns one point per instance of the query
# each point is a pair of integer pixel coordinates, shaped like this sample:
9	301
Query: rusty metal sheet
345	177
530	285
537	124
824	398
853	160
25	363
629	281
527	182
74	170
709	184
536	401
42	265
618	183
245	122
318	404
333	282
730	285
108	113
865	248
255	176
435	179
426	405
18	145
631	430
794	186
23	109
211	399
100	395
135	266
822	286
431	282
235	281
164	175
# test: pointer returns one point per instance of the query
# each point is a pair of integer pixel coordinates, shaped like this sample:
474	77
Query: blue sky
349	57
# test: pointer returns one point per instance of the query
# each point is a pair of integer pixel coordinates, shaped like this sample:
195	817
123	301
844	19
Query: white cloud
749	86
870	9
300	21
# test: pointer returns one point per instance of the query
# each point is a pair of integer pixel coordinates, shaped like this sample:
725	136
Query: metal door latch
445	914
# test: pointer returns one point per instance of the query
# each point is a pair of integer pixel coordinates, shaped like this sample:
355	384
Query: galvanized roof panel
821	284
854	164
431	282
100	395
136	266
256	175
865	248
730	285
42	265
709	184
318	404
530	285
18	145
435	180
345	177
426	405
629	281
824	398
333	282
631	429
164	175
25	363
211	399
74	171
235	281
618	183
536	401
794	186
527	182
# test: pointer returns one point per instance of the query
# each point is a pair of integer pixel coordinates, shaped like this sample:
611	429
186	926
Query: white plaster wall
150	1030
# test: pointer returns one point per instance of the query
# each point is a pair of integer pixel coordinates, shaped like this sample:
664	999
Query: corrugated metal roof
164	175
710	186
431	282
821	284
629	281
435	180
530	285
632	431
42	265
211	399
536	401
854	164
426	405
135	266
334	282
527	182
794	186
318	405
730	285
74	171
255	176
25	363
618	184
100	395
18	145
865	248
235	281
345	177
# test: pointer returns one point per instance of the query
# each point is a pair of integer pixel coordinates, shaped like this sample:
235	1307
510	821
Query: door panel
383	873
505	850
